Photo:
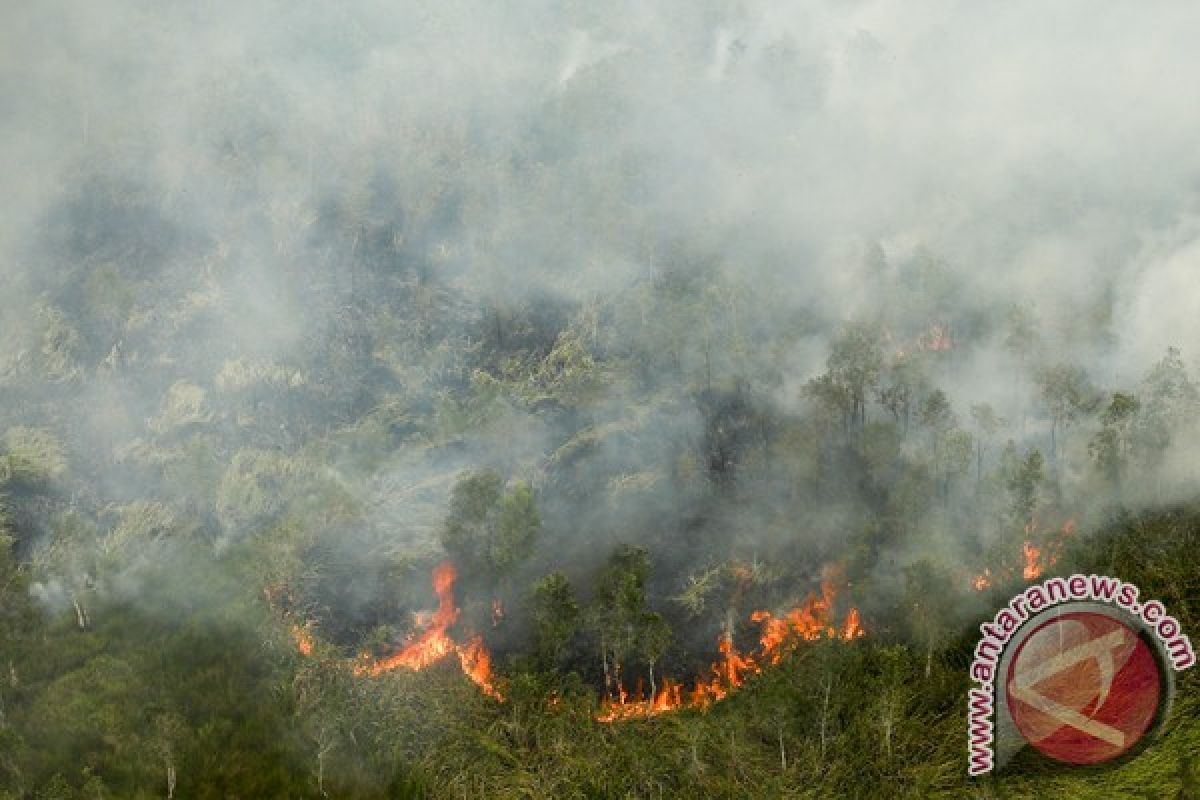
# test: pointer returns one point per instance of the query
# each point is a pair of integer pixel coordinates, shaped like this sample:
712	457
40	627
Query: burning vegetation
813	619
1040	551
810	621
434	643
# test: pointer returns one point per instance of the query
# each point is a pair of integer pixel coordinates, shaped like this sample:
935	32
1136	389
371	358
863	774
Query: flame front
435	643
810	621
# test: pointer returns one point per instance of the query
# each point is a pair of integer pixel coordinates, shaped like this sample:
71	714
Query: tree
1110	447
654	637
1020	339
929	600
620	609
30	457
518	525
488	531
854	363
1066	393
1169	403
987	423
555	617
937	417
1024	482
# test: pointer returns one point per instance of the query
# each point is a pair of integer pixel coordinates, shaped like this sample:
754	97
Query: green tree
1024	483
555	617
619	611
1170	402
488	531
654	638
1111	446
1066	393
987	423
855	361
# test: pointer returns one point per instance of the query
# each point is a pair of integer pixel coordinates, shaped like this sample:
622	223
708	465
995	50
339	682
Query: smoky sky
1047	152
1044	152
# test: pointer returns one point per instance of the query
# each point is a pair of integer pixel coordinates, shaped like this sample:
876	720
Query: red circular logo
1083	688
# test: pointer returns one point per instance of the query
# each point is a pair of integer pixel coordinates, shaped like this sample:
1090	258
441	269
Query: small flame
1032	568
982	581
852	628
304	639
1036	558
937	339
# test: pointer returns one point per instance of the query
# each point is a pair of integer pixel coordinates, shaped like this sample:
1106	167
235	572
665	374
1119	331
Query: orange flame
1035	559
810	621
852	628
476	663
982	581
1032	568
434	643
304	640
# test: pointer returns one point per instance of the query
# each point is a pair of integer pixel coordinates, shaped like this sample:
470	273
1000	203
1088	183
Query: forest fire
1035	559
434	643
304	640
1032	555
810	621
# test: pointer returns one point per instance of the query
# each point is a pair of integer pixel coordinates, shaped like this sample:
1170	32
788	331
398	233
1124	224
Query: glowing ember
810	621
936	339
982	581
304	640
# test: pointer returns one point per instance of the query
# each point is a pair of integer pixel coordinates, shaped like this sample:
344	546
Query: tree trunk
825	717
80	613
